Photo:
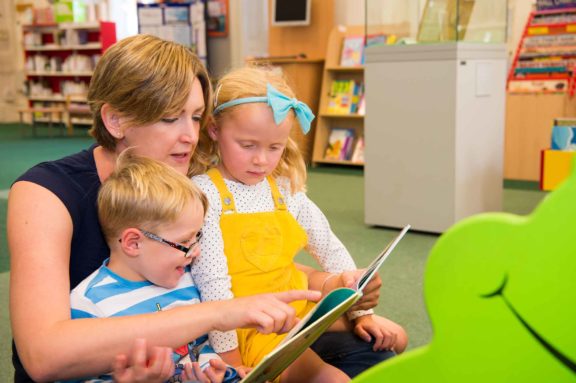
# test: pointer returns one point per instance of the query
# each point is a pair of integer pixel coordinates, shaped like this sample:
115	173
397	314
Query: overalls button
227	201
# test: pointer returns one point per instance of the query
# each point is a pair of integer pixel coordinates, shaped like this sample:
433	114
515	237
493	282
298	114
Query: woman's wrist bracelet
326	281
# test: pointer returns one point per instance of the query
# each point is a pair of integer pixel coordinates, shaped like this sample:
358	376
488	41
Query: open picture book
318	320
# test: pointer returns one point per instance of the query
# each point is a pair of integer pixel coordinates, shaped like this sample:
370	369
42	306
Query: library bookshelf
346	45
327	121
546	54
59	60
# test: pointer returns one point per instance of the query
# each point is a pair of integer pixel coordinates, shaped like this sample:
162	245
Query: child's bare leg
310	368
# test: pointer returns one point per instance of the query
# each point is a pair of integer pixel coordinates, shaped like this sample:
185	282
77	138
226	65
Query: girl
260	217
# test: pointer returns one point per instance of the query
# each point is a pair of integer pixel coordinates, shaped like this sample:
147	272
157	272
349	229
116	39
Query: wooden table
49	114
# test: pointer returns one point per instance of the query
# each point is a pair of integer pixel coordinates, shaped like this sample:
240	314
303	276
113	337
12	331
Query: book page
326	312
375	265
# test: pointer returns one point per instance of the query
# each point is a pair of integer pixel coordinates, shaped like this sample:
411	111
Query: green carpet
339	192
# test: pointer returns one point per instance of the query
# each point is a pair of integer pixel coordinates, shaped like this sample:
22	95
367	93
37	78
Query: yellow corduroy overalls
260	248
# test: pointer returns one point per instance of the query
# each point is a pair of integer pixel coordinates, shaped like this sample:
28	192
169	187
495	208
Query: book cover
344	96
362	105
352	51
318	320
336	148
358	153
563	138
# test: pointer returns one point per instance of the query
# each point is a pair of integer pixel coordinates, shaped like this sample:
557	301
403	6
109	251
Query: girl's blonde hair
144	193
144	78
250	81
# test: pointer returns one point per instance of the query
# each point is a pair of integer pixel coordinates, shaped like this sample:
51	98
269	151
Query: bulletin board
217	22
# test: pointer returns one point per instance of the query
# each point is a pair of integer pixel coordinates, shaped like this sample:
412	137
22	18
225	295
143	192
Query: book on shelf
380	39
318	320
542	5
339	145
344	96
361	105
563	138
352	51
358	153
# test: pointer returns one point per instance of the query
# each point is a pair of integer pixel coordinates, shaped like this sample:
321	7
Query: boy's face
164	265
250	143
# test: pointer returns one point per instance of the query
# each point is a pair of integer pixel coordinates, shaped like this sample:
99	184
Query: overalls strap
279	202
225	196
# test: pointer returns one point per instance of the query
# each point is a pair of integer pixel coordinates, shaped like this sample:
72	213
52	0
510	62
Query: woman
152	95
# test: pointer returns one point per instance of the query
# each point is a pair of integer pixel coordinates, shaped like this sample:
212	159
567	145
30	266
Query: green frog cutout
501	294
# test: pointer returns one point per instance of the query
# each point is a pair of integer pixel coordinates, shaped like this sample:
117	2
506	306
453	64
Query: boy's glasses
186	250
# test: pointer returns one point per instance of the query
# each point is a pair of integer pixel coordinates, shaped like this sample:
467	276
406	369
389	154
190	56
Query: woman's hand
159	367
268	313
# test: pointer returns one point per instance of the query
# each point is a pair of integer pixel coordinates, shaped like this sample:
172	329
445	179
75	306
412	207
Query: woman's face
171	140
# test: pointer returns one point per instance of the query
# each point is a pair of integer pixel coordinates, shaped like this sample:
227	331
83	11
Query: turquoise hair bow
280	104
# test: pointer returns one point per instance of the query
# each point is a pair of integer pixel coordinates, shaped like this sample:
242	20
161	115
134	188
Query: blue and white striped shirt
106	294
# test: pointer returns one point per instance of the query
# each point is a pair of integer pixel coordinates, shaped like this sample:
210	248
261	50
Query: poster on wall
217	23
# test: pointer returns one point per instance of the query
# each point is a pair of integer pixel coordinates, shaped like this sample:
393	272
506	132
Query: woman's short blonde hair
144	193
250	81
144	78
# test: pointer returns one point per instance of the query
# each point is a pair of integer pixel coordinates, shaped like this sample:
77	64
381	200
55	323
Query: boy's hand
268	313
212	374
158	368
367	329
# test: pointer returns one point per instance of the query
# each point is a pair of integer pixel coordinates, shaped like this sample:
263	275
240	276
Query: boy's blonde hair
144	78
143	193
250	81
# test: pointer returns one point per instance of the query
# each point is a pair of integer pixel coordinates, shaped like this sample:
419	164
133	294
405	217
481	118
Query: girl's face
164	265
250	142
171	140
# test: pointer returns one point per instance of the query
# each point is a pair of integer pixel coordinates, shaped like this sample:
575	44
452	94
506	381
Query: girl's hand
213	374
371	293
139	369
367	329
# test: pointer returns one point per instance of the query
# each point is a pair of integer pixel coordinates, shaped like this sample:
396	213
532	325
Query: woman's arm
52	346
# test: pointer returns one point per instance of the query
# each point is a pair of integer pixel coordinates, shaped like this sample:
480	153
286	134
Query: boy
142	204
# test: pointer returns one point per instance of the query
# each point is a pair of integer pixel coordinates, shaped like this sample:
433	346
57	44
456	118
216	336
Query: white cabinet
434	131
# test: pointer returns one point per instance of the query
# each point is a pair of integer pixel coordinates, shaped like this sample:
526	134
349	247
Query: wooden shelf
540	51
59	74
332	115
345	69
333	71
56	98
45	50
339	162
56	48
85	26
